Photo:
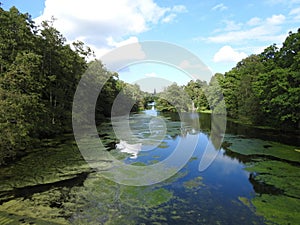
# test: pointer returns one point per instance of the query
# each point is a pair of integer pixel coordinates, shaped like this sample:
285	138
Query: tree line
262	89
39	73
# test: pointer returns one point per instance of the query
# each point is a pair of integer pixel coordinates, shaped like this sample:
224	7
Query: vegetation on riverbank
261	90
274	170
39	73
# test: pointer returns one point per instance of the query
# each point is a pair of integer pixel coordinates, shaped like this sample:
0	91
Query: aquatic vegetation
283	205
277	209
39	209
245	201
52	164
274	173
193	158
57	186
194	184
278	174
139	164
111	203
33	189
257	147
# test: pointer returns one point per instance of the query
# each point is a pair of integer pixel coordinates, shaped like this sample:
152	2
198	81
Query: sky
219	32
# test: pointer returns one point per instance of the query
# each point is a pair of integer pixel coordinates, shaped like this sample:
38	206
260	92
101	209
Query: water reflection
132	149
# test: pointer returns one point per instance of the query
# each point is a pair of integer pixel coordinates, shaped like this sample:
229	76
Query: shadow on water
27	192
263	188
285	137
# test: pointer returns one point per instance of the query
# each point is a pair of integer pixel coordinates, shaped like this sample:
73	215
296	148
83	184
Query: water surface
253	179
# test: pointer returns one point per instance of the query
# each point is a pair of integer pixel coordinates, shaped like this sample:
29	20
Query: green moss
193	159
38	209
281	175
146	196
278	209
259	147
194	184
111	203
138	164
281	179
42	166
153	161
245	201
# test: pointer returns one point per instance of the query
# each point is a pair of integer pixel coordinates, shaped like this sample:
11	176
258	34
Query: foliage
264	89
197	92
173	99
39	74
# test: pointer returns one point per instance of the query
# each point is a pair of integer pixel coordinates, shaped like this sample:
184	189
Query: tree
21	108
173	99
279	97
215	94
197	92
16	34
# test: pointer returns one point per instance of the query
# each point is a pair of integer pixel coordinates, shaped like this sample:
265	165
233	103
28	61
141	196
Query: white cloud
113	43
267	30
295	13
220	7
169	18
179	9
232	25
276	19
105	23
228	54
254	21
151	74
283	2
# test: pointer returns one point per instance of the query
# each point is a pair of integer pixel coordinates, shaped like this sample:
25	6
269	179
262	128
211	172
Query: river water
252	179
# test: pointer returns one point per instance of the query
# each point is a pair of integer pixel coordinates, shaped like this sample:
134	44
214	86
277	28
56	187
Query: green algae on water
259	147
194	184
277	209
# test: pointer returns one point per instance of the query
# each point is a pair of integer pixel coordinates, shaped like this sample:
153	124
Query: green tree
278	95
62	68
215	94
173	99
196	90
21	108
16	34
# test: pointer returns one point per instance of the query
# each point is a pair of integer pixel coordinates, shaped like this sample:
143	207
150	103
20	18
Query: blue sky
219	32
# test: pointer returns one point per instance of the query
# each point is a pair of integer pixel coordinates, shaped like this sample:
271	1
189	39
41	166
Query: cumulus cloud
220	7
105	23
228	54
276	19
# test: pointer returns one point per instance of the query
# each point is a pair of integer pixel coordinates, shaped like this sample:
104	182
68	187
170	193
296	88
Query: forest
39	73
261	90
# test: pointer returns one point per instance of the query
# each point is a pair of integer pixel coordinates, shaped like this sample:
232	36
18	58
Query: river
252	179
